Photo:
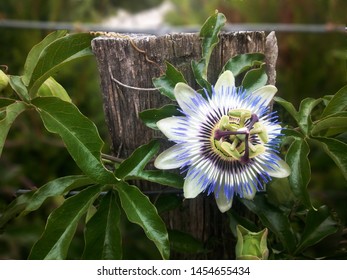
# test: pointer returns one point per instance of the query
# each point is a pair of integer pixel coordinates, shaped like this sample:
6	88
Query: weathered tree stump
134	60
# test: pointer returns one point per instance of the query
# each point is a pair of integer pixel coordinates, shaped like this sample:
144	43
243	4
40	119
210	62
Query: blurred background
312	62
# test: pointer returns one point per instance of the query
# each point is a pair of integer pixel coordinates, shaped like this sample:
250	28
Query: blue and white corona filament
227	142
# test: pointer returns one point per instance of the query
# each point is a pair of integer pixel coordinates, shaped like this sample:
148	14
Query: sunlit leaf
58	54
337	104
59	186
336	150
274	219
79	134
330	126
102	235
52	88
319	224
35	53
166	83
135	163
255	78
150	117
304	115
11	112
297	159
141	211
243	62
61	225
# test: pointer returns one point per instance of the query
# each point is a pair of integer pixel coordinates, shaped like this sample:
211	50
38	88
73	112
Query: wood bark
134	60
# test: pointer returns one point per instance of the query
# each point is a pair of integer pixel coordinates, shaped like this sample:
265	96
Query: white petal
192	186
226	79
184	96
266	93
222	202
169	158
249	194
170	127
281	170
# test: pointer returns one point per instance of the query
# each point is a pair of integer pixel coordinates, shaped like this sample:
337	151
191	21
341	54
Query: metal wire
278	27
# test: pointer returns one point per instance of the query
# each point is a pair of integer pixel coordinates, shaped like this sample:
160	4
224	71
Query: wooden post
134	60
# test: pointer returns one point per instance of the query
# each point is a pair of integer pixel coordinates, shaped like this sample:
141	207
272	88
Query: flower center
239	136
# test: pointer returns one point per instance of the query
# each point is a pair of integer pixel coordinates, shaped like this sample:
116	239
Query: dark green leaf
185	243
198	68
235	219
288	106
336	150
297	159
4	102
134	164
304	117
243	62
10	114
18	86
58	54
35	53
166	83
274	219
102	235
53	188
255	78
319	224
141	211
160	177
209	33
330	126
151	116
337	104
15	208
167	202
61	225
79	134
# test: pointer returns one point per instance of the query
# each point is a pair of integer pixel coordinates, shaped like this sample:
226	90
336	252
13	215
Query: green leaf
297	159
209	33
198	71
243	62
236	219
35	53
15	208
289	107
151	116
18	86
166	83
4	102
337	104
102	235
141	211
134	164
304	116
53	188
52	88
167	202
319	224
255	78
79	134
11	112
336	150
330	126
185	243
160	177
274	219
61	226
58	54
